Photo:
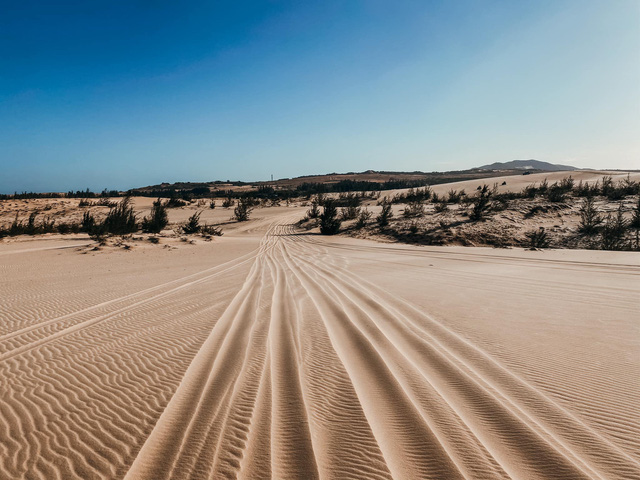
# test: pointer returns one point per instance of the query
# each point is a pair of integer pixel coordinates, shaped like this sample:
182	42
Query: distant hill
527	165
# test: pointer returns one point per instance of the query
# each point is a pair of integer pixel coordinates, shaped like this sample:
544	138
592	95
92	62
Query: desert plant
329	221
212	204
193	224
635	216
88	222
121	219
613	231
441	207
314	211
175	202
529	191
454	196
629	186
350	212
243	209
537	238
480	204
385	214
414	209
413	227
556	193
363	218
211	230
228	202
590	218
544	185
158	218
607	185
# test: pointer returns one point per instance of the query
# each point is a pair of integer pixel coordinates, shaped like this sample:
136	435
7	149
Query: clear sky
120	94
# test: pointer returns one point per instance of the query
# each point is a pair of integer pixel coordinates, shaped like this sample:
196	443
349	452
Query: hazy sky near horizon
119	94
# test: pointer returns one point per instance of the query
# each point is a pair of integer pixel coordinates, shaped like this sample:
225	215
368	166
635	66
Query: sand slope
271	353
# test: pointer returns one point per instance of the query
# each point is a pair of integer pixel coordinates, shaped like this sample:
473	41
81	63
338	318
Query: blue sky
120	94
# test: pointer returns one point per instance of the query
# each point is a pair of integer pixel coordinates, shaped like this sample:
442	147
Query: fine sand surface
275	353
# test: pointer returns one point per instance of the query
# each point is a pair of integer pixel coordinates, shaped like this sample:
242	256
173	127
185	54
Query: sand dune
271	353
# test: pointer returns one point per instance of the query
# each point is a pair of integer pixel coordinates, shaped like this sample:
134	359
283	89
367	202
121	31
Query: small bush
158	218
243	209
350	212
454	196
537	238
329	221
314	211
480	204
590	218
613	231
88	222
635	216
556	193
586	189
211	230
414	209
385	215
363	218
228	202
193	224
212	204
121	219
441	207
175	202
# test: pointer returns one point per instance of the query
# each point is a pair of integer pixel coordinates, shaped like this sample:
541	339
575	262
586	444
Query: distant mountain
527	165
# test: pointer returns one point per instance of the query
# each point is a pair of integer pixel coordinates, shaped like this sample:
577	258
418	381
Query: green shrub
243	209
413	210
537	238
385	215
613	231
480	204
363	218
590	218
193	224
158	218
121	219
329	221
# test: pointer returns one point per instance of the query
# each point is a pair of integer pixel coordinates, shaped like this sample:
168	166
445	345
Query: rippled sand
272	353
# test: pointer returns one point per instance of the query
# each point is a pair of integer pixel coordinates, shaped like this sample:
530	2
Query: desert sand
272	352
